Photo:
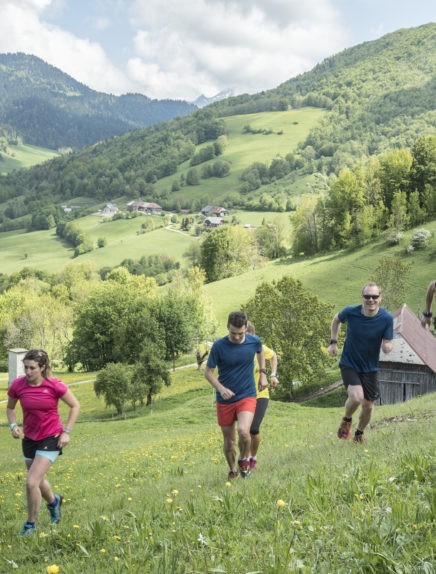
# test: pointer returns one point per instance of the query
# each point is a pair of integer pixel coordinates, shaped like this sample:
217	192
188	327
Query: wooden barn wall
400	382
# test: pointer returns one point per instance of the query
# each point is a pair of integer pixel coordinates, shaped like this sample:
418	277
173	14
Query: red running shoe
344	429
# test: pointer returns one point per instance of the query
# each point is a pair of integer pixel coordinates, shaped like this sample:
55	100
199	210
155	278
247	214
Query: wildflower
202	539
169	500
174	492
103	550
281	503
53	569
228	484
76	526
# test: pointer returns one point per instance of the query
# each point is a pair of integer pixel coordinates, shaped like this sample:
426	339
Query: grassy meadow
285	130
335	278
23	156
148	492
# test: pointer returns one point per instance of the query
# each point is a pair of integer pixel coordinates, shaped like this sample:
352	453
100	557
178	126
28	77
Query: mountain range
48	108
368	99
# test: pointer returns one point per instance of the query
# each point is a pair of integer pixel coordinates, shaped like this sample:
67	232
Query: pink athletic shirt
40	406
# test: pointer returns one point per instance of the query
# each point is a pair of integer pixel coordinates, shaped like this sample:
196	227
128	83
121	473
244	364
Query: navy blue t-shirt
364	336
235	366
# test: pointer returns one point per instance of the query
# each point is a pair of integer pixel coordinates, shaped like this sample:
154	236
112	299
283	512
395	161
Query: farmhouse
410	369
214	211
145	207
213	221
109	210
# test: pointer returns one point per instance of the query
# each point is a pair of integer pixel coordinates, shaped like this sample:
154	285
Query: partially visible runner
369	327
235	388
44	436
262	399
427	314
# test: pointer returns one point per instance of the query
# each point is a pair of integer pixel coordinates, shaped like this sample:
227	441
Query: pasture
23	156
284	130
148	492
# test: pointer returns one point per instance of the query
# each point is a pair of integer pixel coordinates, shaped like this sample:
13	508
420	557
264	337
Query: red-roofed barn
410	369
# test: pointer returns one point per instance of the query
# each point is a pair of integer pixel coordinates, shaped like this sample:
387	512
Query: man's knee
355	394
244	432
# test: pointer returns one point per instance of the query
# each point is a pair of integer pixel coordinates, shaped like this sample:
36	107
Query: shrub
420	239
394	238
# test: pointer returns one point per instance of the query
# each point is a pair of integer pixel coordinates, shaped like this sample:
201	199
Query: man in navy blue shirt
235	388
369	327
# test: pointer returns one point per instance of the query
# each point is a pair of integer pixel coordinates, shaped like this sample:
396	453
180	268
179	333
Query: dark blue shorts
368	382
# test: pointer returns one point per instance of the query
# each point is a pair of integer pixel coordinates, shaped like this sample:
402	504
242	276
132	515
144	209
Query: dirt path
319	393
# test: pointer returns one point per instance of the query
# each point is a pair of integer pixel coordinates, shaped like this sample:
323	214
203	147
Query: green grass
335	278
23	156
147	492
245	149
43	250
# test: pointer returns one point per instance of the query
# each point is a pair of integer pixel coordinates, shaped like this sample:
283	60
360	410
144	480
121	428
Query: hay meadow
148	492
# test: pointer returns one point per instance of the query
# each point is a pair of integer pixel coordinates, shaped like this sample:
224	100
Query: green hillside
48	108
371	98
23	156
335	278
275	134
148	492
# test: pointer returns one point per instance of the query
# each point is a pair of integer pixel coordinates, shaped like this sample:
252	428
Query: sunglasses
368	297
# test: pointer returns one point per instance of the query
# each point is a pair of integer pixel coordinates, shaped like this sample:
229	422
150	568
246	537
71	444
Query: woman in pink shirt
43	434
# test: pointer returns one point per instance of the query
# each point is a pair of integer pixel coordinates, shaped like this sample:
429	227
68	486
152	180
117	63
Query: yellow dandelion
103	550
130	498
53	569
169	500
174	492
281	503
76	526
228	484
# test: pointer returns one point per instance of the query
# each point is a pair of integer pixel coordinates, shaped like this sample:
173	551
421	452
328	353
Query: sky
183	49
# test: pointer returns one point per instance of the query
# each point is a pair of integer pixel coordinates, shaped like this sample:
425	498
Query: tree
227	251
105	316
113	383
296	325
271	239
392	275
173	314
149	374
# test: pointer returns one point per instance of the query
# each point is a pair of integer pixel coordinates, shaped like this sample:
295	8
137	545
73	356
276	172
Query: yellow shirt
269	354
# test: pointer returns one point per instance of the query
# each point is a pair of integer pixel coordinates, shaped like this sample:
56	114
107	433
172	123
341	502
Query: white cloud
178	49
209	45
22	29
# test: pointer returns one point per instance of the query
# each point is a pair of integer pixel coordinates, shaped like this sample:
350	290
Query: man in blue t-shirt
369	327
235	388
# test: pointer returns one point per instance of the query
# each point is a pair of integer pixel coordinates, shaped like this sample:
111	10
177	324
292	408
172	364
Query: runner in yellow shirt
262	398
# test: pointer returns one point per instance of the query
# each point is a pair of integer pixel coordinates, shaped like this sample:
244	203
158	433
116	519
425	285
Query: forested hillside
366	153
48	108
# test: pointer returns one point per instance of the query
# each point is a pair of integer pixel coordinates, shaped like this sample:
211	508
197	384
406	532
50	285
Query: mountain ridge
49	108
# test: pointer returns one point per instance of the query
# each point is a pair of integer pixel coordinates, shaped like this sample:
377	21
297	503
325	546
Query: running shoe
244	468
232	474
55	511
253	463
28	529
344	429
359	437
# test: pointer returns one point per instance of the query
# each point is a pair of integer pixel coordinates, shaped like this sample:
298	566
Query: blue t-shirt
364	336
235	366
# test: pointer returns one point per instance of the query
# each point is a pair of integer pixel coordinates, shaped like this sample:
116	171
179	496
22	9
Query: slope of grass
149	493
335	278
43	250
23	156
243	149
